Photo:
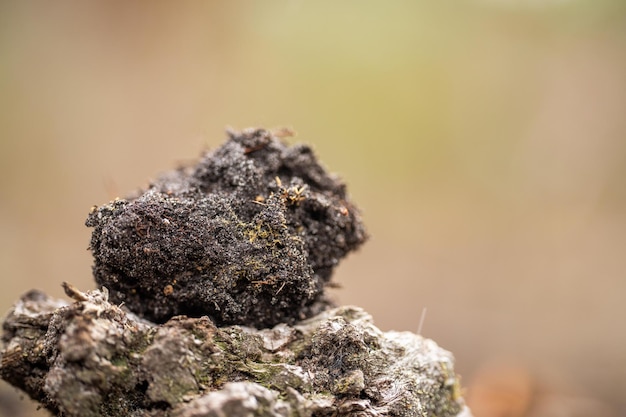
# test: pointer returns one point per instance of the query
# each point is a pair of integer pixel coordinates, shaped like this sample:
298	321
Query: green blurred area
484	141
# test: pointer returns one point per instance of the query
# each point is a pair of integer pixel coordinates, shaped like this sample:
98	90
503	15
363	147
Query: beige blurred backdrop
483	140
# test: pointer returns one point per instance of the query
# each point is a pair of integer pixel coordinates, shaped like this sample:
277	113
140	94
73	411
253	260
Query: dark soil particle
250	235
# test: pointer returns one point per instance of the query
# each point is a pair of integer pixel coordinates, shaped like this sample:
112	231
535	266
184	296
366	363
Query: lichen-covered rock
242	399
250	235
92	358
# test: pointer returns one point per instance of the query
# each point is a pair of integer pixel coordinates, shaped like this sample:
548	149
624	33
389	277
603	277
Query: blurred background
484	141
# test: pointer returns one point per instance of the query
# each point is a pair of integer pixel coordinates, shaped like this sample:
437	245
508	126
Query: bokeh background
484	141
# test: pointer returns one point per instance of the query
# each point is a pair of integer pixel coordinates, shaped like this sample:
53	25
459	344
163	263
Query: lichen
345	365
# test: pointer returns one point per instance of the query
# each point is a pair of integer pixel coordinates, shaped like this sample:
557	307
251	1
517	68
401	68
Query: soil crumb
250	235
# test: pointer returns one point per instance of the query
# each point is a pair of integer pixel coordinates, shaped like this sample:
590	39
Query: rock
93	358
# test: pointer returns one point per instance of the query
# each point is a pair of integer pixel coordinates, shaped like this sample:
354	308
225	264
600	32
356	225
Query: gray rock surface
93	358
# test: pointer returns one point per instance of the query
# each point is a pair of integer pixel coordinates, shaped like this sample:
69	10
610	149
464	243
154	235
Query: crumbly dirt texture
250	235
91	358
212	305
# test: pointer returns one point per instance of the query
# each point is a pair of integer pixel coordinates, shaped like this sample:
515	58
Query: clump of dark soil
250	235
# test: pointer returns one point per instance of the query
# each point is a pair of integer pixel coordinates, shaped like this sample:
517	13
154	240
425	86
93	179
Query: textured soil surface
212	304
250	235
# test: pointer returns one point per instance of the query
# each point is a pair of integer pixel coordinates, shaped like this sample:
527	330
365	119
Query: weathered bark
93	358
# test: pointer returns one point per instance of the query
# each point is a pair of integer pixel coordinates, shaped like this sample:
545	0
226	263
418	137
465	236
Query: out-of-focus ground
484	141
